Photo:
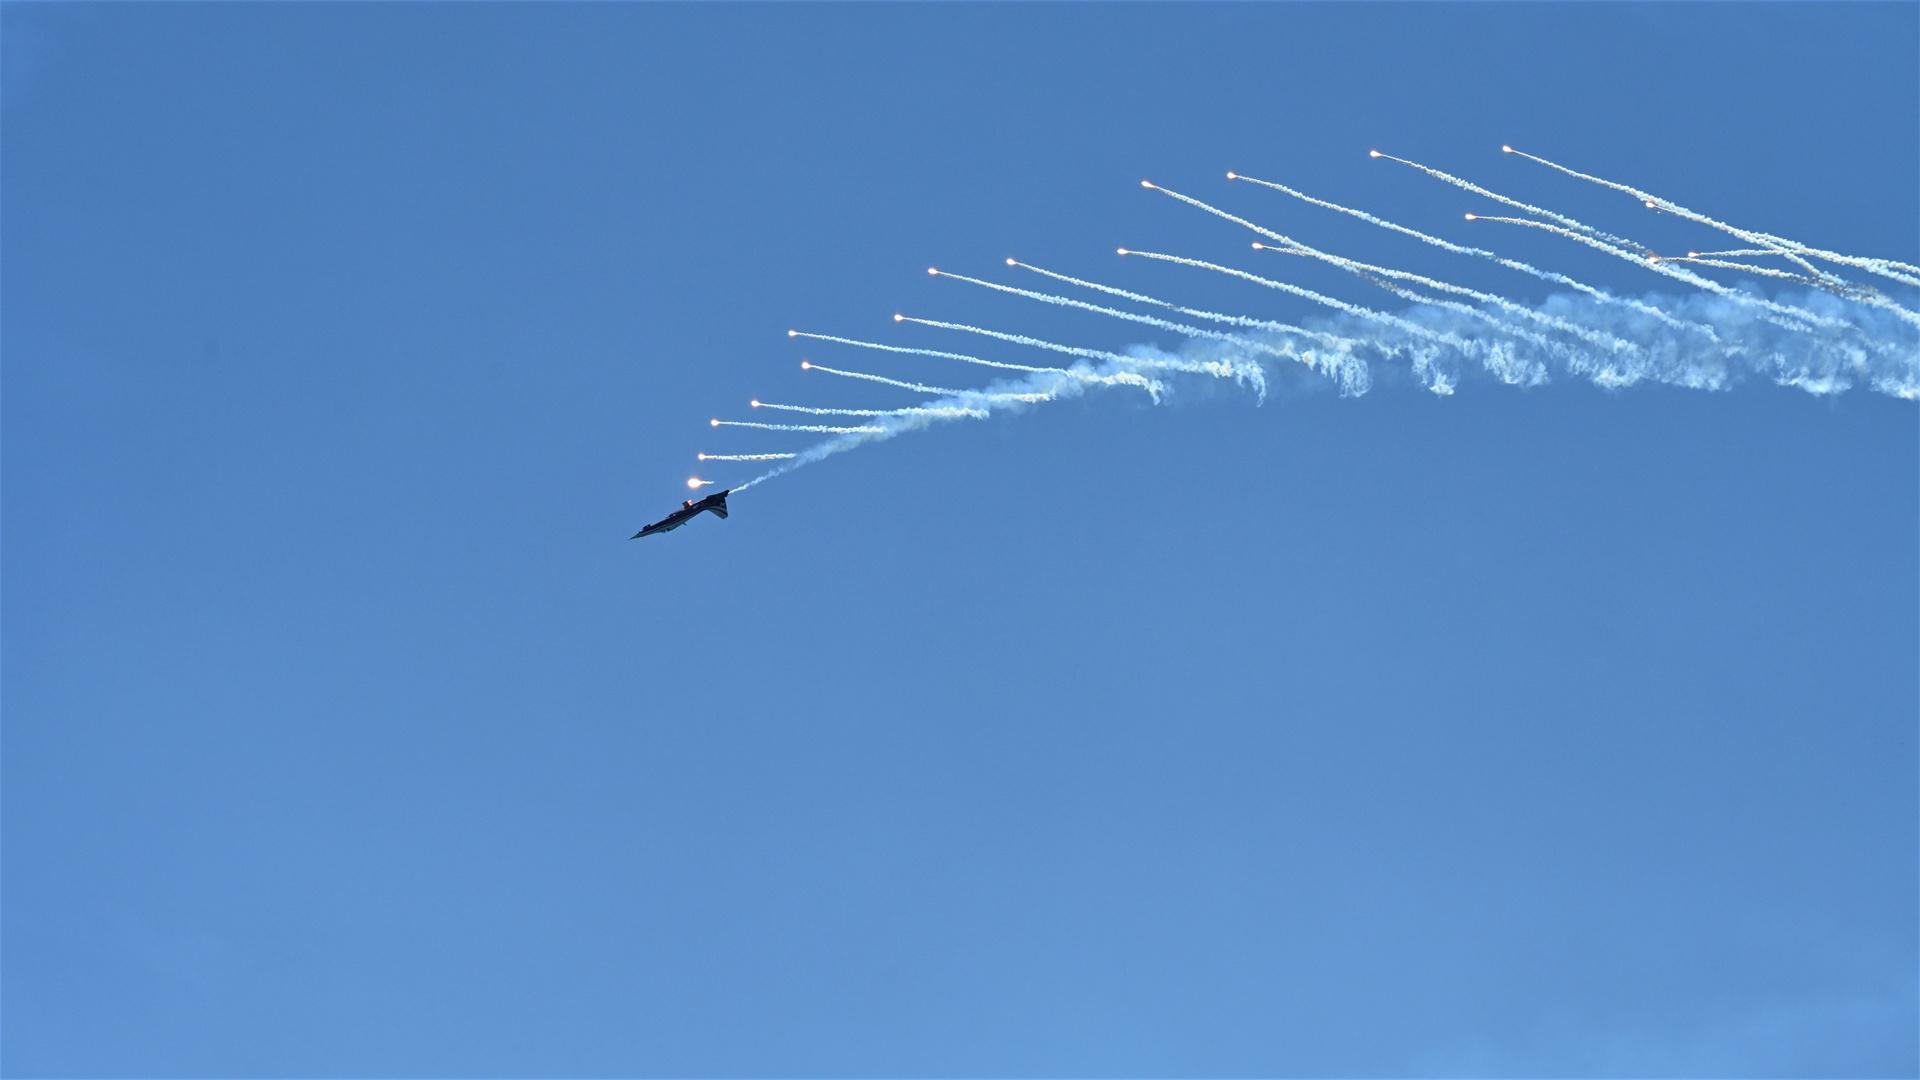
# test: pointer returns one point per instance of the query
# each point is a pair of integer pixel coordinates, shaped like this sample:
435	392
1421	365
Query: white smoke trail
1336	357
1776	245
1837	336
920	352
808	365
1244	371
1792	318
1367	270
1061	301
1037	387
860	412
1819	279
1511	264
1284	287
797	427
1212	316
1152	388
1309	294
1631	251
1788	249
1566	222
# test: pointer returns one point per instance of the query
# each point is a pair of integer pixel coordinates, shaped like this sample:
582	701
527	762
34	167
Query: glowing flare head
1010	262
1470	217
1124	251
931	270
755	404
1506	149
694	481
793	333
1373	153
1230	176
714	423
1651	206
804	365
1146	183
899	318
1258	246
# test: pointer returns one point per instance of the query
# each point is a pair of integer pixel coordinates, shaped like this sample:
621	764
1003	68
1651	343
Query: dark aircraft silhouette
716	502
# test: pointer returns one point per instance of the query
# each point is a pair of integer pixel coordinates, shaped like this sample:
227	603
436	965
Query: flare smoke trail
1835	335
1511	264
1212	316
1049	298
808	365
865	412
820	428
1888	268
1244	371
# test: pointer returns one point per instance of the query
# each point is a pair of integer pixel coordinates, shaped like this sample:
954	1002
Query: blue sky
1547	731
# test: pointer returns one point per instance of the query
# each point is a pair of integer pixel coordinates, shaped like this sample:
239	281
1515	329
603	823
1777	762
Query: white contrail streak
1782	315
1848	289
1211	316
1366	269
867	412
1511	264
1777	245
1296	247
1788	249
1836	335
1619	247
1037	387
808	365
1178	328
1309	294
1228	369
921	352
797	427
1119	379
1578	226
1336	358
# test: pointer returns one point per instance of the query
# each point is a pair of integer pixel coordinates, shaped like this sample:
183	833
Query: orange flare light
804	365
1373	153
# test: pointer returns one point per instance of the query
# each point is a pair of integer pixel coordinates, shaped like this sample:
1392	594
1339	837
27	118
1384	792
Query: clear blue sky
1550	732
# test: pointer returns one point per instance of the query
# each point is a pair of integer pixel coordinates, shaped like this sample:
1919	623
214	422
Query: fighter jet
716	502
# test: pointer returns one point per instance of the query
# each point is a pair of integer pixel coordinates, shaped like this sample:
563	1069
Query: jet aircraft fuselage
716	502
